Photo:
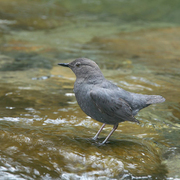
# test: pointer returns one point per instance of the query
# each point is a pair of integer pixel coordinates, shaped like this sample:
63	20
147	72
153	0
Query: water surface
43	132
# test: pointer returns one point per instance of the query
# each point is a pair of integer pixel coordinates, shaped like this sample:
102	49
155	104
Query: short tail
154	99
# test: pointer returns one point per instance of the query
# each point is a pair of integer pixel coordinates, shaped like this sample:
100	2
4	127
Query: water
43	132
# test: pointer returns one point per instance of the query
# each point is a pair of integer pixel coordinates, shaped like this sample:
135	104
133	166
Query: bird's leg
96	136
109	135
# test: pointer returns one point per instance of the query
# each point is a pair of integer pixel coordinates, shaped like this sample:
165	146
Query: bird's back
135	100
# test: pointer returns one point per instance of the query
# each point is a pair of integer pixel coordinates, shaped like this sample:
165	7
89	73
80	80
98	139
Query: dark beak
64	64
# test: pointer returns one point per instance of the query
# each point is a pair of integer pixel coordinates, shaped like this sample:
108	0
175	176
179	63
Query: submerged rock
24	61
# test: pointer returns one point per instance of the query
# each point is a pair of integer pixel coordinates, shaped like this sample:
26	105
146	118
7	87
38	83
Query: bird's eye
78	64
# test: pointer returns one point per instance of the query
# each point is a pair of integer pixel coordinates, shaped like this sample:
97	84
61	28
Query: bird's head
84	68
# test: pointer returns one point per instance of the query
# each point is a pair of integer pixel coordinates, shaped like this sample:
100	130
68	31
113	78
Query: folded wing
111	105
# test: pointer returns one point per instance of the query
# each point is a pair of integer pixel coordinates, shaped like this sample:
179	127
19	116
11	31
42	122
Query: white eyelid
78	64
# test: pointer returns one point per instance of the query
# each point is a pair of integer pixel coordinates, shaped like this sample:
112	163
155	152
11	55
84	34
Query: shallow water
43	132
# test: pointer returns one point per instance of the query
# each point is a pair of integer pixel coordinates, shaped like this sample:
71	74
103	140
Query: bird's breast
82	94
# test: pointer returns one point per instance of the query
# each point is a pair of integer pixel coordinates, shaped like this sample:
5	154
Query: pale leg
96	136
114	128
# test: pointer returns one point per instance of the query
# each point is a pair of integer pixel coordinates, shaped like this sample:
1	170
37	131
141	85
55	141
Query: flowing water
43	132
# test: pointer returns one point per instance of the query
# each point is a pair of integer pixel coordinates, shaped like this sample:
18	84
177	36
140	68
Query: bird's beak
64	64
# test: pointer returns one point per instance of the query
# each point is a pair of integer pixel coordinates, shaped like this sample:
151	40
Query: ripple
55	121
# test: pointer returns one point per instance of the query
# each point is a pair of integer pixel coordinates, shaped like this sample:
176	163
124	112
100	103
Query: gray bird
104	101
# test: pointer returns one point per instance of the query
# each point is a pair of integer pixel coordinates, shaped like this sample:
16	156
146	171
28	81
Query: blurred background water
43	132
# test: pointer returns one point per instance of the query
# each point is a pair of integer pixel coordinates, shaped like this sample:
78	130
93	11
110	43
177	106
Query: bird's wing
113	106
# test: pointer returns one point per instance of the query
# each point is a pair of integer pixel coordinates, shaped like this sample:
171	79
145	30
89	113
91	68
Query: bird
102	100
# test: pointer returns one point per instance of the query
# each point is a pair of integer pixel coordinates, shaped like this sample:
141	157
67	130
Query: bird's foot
95	138
103	143
100	144
96	141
